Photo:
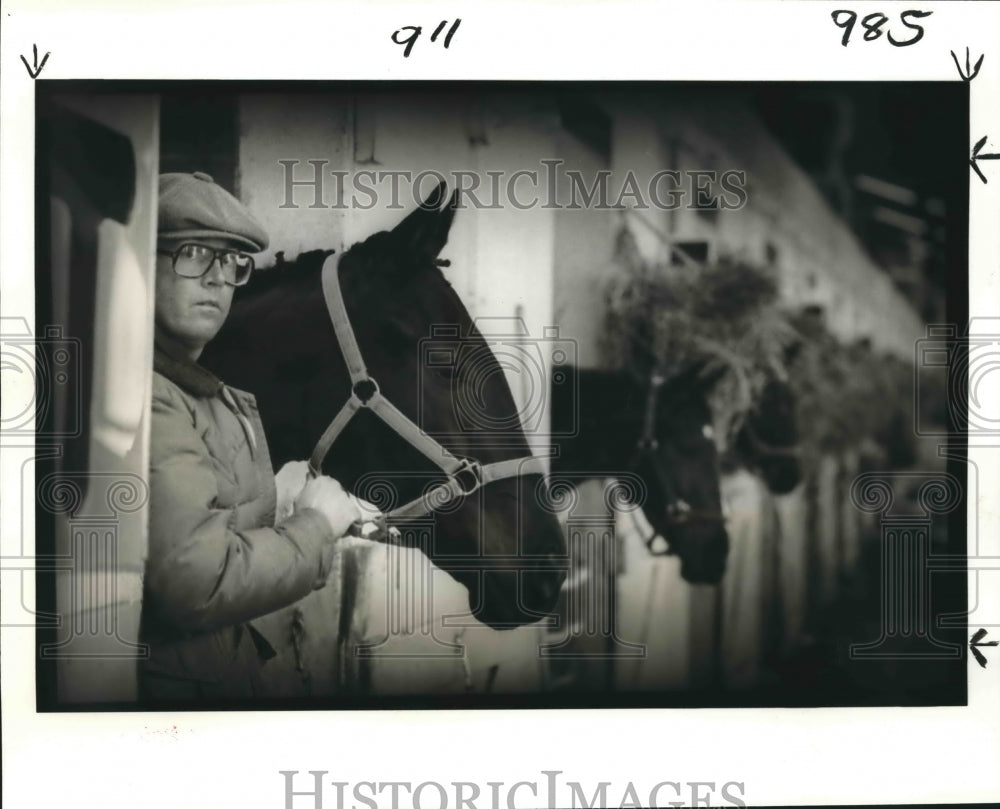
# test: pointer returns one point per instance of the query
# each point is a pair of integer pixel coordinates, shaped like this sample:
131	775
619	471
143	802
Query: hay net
727	320
722	318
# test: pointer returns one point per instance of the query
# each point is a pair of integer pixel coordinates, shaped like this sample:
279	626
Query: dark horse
768	441
659	432
500	541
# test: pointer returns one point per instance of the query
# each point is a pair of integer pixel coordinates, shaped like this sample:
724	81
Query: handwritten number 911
410	39
873	23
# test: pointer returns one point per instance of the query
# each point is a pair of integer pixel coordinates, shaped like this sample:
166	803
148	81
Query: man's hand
328	497
290	480
372	524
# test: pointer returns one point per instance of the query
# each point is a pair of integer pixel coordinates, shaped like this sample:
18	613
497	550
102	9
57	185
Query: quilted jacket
216	560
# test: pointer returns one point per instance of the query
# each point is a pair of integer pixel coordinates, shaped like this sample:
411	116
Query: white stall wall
300	128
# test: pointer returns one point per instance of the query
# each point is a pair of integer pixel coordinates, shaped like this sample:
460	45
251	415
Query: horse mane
304	266
287	297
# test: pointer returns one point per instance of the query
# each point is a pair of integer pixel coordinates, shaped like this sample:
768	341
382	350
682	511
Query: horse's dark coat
279	344
768	442
607	409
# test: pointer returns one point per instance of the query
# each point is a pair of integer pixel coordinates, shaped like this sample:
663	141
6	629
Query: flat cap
193	205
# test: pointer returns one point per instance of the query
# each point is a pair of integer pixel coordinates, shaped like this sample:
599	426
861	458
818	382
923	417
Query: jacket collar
169	361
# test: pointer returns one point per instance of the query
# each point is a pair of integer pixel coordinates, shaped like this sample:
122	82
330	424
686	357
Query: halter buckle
364	390
679	511
468	476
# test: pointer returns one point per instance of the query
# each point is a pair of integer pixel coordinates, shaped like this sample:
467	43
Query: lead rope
647	619
649	539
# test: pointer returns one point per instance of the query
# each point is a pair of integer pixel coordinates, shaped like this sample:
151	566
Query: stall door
95	237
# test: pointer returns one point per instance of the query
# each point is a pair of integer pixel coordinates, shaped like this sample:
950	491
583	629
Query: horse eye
707	431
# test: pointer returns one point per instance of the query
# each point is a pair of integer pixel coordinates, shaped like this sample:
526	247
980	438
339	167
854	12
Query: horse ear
435	198
424	232
445	218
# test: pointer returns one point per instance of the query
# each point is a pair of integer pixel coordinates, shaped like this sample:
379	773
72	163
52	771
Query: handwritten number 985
873	23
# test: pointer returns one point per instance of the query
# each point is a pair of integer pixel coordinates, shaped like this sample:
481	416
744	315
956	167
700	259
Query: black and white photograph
437	402
505	395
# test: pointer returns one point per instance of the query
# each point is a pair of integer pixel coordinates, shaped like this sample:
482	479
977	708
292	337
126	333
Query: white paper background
232	760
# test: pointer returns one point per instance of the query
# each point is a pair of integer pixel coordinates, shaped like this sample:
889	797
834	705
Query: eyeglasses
192	260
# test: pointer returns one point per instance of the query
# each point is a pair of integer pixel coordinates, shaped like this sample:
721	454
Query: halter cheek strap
678	510
465	476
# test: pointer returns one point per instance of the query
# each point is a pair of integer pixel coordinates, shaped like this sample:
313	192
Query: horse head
768	440
655	435
497	539
681	475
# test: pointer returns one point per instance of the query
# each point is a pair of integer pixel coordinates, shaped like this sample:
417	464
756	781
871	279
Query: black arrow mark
38	67
980	634
976	156
970	72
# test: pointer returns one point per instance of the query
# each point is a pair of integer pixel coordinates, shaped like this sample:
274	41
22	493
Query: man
216	559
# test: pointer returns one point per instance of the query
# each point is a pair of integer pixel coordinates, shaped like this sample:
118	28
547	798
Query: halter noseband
678	510
465	476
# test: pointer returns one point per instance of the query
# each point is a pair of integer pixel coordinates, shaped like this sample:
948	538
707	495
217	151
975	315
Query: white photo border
783	756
